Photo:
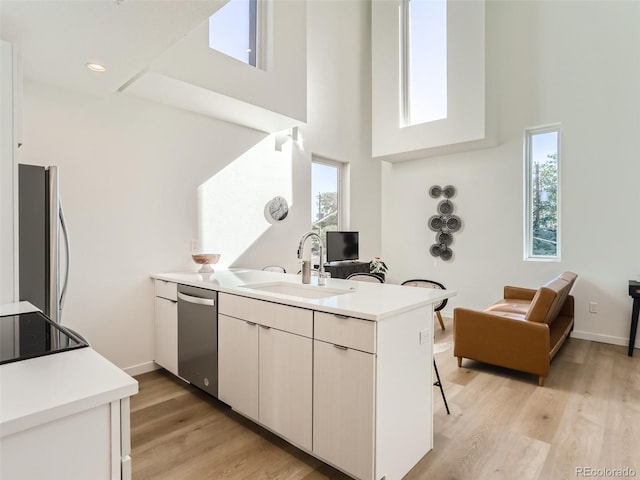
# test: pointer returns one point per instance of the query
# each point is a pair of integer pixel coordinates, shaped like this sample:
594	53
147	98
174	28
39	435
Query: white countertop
44	389
370	301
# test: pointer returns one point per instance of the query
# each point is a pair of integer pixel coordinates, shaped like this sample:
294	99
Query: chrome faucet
303	240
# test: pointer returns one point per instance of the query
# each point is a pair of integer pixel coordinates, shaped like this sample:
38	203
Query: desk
344	269
634	292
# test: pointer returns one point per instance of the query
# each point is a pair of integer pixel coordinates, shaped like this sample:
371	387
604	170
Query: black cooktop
29	335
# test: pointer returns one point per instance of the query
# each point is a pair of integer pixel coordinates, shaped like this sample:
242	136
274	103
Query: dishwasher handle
198	300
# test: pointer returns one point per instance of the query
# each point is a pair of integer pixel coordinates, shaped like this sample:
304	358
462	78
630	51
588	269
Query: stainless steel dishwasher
198	337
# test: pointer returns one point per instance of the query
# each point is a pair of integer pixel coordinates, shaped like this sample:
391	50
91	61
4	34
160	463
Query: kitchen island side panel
404	392
76	446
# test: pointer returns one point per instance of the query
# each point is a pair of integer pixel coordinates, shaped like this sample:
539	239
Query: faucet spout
303	240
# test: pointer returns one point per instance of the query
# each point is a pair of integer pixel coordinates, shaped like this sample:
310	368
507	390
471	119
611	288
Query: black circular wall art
436	223
444	223
448	191
435	191
444	238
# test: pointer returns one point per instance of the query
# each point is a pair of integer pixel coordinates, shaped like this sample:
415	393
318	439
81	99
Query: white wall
547	62
464	126
339	116
338	128
279	87
270	98
130	170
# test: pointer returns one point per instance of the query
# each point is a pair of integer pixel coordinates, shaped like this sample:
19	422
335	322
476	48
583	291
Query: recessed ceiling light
96	67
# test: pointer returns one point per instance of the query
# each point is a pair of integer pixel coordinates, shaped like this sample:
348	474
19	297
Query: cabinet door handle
340	347
340	316
168	299
253	324
265	327
198	300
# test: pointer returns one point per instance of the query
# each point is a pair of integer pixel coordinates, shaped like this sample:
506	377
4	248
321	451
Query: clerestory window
423	30
236	30
542	193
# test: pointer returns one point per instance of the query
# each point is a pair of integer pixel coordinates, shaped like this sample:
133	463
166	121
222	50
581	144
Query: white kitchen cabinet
343	408
265	370
86	439
372	393
166	326
238	364
285	384
367	354
63	416
346	331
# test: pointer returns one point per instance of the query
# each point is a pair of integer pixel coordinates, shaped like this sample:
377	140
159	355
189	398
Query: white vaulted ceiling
57	38
158	50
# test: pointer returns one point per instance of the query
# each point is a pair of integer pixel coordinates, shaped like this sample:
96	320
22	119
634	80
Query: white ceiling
57	38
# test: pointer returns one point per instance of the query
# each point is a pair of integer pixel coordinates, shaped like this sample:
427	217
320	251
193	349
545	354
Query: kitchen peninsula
62	415
342	371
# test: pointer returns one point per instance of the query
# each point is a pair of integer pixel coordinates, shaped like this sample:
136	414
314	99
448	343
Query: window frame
529	134
404	56
343	193
405	67
258	14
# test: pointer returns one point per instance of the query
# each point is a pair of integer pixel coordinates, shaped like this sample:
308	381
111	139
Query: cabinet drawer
346	331
168	290
283	317
245	308
291	319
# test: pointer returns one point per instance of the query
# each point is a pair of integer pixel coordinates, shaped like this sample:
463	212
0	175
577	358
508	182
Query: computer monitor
342	246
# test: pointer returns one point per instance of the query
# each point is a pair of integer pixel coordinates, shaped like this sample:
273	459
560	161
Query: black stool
438	383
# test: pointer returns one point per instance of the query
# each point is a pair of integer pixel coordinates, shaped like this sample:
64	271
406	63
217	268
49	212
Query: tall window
423	29
542	193
235	30
327	179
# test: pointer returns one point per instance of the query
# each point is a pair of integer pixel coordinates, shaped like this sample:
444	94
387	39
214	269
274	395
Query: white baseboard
595	337
141	368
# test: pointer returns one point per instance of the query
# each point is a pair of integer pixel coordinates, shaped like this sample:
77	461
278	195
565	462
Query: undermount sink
295	290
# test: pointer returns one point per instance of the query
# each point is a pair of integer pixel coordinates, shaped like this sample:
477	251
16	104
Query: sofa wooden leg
459	361
541	381
440	320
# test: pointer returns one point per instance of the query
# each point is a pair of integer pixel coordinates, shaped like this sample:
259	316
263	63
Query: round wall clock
276	209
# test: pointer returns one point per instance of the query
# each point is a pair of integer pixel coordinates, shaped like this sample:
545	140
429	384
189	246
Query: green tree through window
545	206
325	197
542	196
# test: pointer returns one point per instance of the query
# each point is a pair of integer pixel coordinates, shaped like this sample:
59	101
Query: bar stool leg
439	384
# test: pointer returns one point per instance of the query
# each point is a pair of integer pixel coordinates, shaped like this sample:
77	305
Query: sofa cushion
562	285
549	298
510	305
511	315
541	304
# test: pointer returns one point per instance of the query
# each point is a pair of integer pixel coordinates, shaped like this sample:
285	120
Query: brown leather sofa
523	331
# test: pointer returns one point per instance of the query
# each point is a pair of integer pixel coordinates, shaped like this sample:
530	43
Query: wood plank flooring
502	425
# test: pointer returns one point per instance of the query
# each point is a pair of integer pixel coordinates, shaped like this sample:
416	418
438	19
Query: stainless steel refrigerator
43	241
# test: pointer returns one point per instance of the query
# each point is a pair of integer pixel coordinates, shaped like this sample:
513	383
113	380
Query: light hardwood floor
502	425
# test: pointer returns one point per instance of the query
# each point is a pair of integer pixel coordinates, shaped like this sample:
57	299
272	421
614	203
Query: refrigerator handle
54	247
67	249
